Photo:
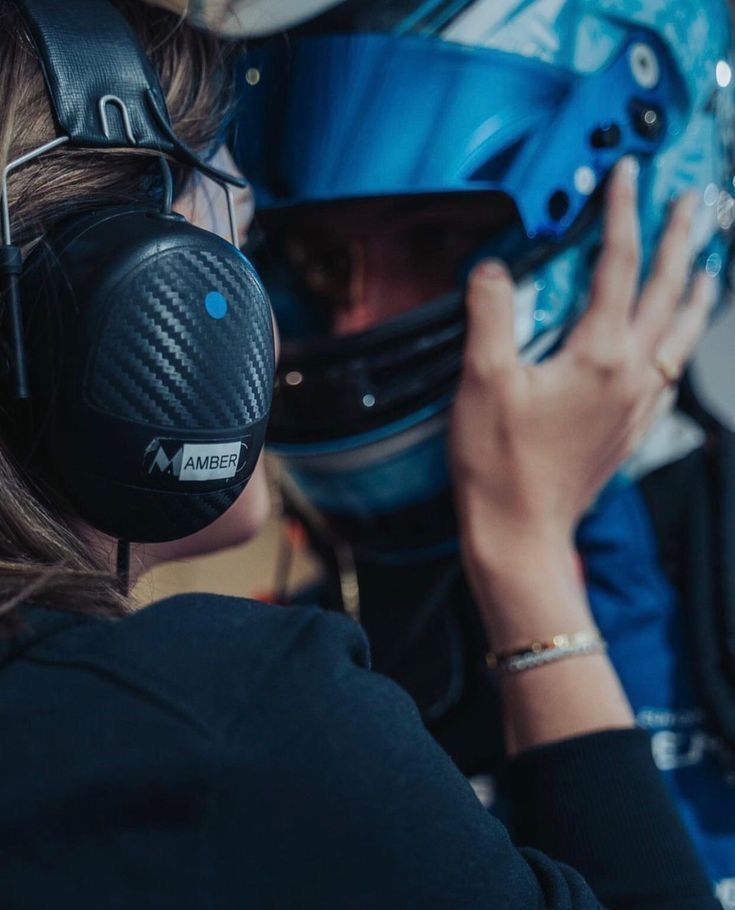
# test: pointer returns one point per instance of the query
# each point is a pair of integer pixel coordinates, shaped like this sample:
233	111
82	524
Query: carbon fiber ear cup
152	362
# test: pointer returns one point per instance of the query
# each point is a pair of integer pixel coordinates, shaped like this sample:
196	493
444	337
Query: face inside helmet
369	289
366	262
396	144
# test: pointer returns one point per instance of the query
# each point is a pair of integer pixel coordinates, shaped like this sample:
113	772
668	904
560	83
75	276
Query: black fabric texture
436	655
620	782
211	752
692	504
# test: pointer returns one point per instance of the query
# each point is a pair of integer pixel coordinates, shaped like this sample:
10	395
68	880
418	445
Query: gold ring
670	373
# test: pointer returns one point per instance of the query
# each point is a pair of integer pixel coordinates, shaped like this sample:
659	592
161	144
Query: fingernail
492	269
713	292
630	169
712	288
690	203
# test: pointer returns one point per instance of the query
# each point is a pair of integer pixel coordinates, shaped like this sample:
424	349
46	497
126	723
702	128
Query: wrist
513	551
531	592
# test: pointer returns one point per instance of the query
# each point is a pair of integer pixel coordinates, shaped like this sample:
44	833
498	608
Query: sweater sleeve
334	795
599	803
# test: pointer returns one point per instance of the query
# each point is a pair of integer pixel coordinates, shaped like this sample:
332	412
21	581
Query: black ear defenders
144	343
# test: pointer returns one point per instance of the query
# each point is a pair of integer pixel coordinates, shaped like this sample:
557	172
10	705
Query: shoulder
208	656
193	624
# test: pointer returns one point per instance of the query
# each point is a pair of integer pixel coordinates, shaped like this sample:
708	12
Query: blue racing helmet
526	104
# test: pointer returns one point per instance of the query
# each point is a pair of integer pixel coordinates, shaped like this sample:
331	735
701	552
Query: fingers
666	286
674	352
689	325
490	319
656	406
615	283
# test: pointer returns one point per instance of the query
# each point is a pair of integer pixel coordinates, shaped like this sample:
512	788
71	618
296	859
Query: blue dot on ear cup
216	305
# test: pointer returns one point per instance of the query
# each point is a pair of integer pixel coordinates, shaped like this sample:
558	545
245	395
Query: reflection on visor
359	264
403	354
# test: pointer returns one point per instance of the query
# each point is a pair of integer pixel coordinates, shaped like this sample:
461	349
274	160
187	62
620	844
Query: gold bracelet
540	653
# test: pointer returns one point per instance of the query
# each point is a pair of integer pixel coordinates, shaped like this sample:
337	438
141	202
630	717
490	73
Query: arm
347	802
542	595
531	446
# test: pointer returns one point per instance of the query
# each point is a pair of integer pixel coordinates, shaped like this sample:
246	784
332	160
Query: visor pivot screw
648	121
368	401
608	136
644	66
252	76
585	180
294	378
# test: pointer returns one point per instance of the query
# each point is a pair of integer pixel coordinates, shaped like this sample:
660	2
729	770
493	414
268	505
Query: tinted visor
367	299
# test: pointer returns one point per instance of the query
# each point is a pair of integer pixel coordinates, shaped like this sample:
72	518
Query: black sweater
211	752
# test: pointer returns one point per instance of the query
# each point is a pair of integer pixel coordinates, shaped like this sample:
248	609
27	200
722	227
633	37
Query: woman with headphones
217	752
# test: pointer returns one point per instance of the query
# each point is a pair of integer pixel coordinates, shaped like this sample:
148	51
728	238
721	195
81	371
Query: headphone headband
103	90
100	83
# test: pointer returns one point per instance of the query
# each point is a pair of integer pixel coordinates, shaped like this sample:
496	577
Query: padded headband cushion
89	52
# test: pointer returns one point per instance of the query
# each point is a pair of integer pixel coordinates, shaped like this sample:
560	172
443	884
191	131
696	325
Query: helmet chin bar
339	387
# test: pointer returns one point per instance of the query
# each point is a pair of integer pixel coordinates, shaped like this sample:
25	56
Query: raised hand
531	445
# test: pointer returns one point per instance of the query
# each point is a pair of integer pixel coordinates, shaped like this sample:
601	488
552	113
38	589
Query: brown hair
43	556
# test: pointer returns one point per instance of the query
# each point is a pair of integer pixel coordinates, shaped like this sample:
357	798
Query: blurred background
258	569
